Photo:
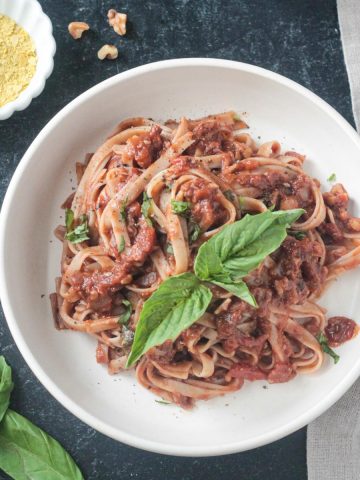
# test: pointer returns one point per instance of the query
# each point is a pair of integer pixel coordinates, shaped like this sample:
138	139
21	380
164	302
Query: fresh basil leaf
194	231
243	245
146	209
27	452
180	208
240	290
125	317
321	338
6	386
69	219
121	246
80	233
272	208
332	178
174	306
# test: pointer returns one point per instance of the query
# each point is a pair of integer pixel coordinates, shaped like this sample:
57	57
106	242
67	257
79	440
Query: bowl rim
34	89
101	426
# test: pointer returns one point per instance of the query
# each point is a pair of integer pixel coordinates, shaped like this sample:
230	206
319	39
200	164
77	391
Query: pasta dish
196	256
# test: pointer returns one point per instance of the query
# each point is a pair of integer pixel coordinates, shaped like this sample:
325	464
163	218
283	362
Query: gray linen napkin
333	440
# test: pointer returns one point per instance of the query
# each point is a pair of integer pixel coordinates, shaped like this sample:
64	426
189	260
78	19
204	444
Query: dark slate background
299	39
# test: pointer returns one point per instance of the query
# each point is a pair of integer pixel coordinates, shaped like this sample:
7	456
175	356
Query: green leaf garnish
174	306
146	209
163	402
69	219
6	386
240	247
180	208
121	246
80	233
194	231
125	317
321	338
272	208
122	211
332	178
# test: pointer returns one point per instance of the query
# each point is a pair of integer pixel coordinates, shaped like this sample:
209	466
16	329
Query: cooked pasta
149	202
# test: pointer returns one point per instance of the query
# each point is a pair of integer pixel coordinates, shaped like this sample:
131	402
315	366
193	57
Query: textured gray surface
299	39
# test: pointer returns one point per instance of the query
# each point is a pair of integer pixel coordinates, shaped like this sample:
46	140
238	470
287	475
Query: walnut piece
117	21
76	29
107	51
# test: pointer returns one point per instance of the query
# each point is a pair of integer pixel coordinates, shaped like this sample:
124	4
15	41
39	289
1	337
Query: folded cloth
333	440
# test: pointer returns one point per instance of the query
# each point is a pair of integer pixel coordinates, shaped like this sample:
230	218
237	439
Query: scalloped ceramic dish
276	108
29	14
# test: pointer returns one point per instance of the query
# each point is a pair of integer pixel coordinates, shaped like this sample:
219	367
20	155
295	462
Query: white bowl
29	14
276	108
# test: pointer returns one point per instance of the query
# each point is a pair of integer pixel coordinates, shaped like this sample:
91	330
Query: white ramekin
29	14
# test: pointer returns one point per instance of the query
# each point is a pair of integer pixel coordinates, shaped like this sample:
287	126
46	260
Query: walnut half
117	21
76	29
107	51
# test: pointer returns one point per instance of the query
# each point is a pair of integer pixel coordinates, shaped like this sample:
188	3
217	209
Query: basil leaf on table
28	453
6	386
241	247
174	306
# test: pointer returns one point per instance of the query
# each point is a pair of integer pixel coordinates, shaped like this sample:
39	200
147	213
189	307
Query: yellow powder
17	60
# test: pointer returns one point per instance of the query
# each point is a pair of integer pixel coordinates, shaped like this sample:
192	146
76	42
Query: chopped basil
169	249
162	402
272	208
69	219
121	246
180	208
332	178
194	231
80	233
122	211
125	317
146	209
229	195
321	338
298	235
26	451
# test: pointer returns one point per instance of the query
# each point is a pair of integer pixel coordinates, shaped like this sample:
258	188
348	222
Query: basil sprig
223	260
321	338
174	306
26	451
240	247
78	234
